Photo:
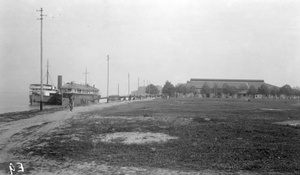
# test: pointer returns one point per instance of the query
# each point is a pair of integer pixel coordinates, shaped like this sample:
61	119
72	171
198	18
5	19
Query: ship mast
86	75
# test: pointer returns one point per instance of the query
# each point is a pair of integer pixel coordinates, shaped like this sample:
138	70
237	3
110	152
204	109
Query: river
17	101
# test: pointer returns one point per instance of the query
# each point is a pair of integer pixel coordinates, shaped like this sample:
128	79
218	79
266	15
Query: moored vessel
51	95
82	94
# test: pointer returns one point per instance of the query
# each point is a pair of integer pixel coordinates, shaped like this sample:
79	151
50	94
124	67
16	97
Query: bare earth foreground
160	136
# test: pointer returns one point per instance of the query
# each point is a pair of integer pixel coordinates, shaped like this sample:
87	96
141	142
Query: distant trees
151	89
252	91
243	87
286	90
181	88
168	89
296	90
192	89
229	90
274	91
184	89
205	90
264	90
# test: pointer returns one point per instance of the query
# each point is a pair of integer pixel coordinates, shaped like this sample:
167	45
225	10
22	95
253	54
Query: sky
151	40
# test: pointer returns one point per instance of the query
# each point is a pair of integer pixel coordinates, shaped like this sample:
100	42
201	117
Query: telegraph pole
107	76
138	83
41	94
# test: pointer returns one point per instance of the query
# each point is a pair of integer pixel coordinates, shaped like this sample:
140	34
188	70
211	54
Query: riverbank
24	114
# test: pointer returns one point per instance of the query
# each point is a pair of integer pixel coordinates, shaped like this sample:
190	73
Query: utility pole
86	75
128	84
41	94
138	83
118	91
107	76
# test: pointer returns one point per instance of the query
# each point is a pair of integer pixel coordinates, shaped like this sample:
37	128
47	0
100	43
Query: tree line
171	90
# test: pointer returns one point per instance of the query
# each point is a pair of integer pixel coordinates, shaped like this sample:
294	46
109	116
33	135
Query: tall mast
86	75
41	94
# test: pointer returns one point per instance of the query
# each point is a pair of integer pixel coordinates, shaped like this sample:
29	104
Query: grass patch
217	134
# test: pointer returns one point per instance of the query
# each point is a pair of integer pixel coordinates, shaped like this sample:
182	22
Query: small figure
71	102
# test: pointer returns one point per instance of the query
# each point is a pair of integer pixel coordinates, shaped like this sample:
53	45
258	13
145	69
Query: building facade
216	85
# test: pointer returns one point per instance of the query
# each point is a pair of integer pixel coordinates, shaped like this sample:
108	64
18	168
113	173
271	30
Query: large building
198	83
241	84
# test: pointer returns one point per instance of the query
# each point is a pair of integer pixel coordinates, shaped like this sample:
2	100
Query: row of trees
287	90
170	90
151	89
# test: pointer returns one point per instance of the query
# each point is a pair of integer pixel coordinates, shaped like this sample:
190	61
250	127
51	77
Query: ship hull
53	99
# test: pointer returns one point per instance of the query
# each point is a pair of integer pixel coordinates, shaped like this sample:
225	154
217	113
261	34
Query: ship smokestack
59	81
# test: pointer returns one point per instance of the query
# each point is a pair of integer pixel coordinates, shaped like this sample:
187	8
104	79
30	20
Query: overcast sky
152	40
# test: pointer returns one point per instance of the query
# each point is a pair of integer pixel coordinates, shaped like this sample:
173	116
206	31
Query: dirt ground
35	135
17	134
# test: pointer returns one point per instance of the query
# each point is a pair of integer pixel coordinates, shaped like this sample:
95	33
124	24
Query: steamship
51	94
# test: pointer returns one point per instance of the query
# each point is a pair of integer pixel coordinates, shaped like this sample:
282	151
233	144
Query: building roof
227	80
73	85
231	82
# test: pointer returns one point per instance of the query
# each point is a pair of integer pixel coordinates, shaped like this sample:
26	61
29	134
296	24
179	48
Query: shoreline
20	115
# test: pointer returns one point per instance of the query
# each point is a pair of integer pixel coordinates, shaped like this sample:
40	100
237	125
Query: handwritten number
13	168
21	167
